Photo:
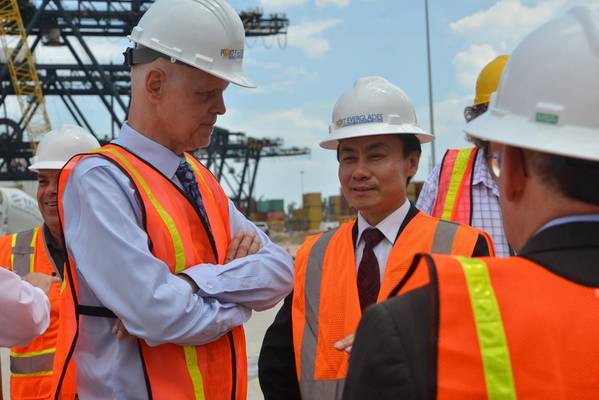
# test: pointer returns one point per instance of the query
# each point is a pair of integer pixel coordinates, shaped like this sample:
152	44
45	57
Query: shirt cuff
206	278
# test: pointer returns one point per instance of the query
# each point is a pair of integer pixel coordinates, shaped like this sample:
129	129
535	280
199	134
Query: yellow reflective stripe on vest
13	242
489	328
34	363
189	351
32	255
198	172
33	353
166	218
457	175
191	359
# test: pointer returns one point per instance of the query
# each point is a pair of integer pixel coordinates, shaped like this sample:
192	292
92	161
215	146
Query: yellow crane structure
23	73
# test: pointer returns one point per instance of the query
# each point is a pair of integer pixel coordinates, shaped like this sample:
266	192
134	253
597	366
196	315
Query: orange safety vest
31	365
454	190
509	328
326	305
178	236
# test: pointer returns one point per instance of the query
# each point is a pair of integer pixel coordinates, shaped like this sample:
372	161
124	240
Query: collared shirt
115	269
25	310
569	219
486	213
389	227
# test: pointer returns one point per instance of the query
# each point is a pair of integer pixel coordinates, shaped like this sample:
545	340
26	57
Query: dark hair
411	144
575	178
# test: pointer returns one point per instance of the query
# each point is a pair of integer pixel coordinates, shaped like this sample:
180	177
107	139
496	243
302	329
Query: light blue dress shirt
115	269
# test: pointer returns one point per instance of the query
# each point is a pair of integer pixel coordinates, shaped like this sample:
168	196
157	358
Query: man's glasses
494	163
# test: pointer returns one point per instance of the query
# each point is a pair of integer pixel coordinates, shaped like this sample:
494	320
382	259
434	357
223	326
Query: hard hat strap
144	55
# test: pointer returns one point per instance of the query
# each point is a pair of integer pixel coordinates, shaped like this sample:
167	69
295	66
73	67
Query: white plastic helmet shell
373	106
549	92
206	34
58	146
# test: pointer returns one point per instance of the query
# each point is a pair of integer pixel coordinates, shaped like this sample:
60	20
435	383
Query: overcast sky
330	44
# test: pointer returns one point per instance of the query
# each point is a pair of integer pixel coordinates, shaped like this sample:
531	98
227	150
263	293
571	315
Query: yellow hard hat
488	80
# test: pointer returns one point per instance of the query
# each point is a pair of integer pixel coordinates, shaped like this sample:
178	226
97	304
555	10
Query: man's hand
41	281
345	344
243	244
121	332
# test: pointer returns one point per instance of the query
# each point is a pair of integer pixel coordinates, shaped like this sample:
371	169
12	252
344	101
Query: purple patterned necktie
369	280
187	178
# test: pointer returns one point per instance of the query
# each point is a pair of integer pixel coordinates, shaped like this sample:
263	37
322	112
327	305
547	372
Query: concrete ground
255	329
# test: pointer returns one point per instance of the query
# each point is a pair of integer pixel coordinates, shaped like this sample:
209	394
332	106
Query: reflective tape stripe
13	243
31	365
191	359
23	252
166	218
198	172
309	387
460	166
490	331
322	389
444	237
32	353
189	351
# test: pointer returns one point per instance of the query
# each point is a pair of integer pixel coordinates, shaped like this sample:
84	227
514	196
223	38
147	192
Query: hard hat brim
521	131
36	166
356	131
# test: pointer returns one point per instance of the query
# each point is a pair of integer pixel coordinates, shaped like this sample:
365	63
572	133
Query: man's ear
513	178
154	84
413	159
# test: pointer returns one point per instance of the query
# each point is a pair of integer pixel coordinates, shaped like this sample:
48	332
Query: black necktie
369	280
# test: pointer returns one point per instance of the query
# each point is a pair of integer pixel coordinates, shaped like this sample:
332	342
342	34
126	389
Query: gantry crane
232	156
23	74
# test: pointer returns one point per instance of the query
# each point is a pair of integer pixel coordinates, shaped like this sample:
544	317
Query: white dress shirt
389	228
24	310
115	269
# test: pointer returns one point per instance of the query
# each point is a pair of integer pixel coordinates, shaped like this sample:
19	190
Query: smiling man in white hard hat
153	239
340	273
37	255
521	327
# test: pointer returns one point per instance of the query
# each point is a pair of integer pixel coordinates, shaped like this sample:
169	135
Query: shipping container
312	199
276	216
298	213
276	205
277	226
313	214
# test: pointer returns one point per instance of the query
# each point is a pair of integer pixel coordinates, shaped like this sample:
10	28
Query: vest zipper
234	365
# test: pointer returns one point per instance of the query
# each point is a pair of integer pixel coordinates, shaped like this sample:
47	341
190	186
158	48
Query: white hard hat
548	97
58	146
373	106
205	34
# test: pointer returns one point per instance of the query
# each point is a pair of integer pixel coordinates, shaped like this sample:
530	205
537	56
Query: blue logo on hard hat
358	120
231	54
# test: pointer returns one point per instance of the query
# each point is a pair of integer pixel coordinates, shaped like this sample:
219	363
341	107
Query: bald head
175	105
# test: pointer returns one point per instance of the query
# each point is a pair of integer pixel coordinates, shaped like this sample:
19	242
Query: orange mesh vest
509	328
454	190
31	365
217	370
326	306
